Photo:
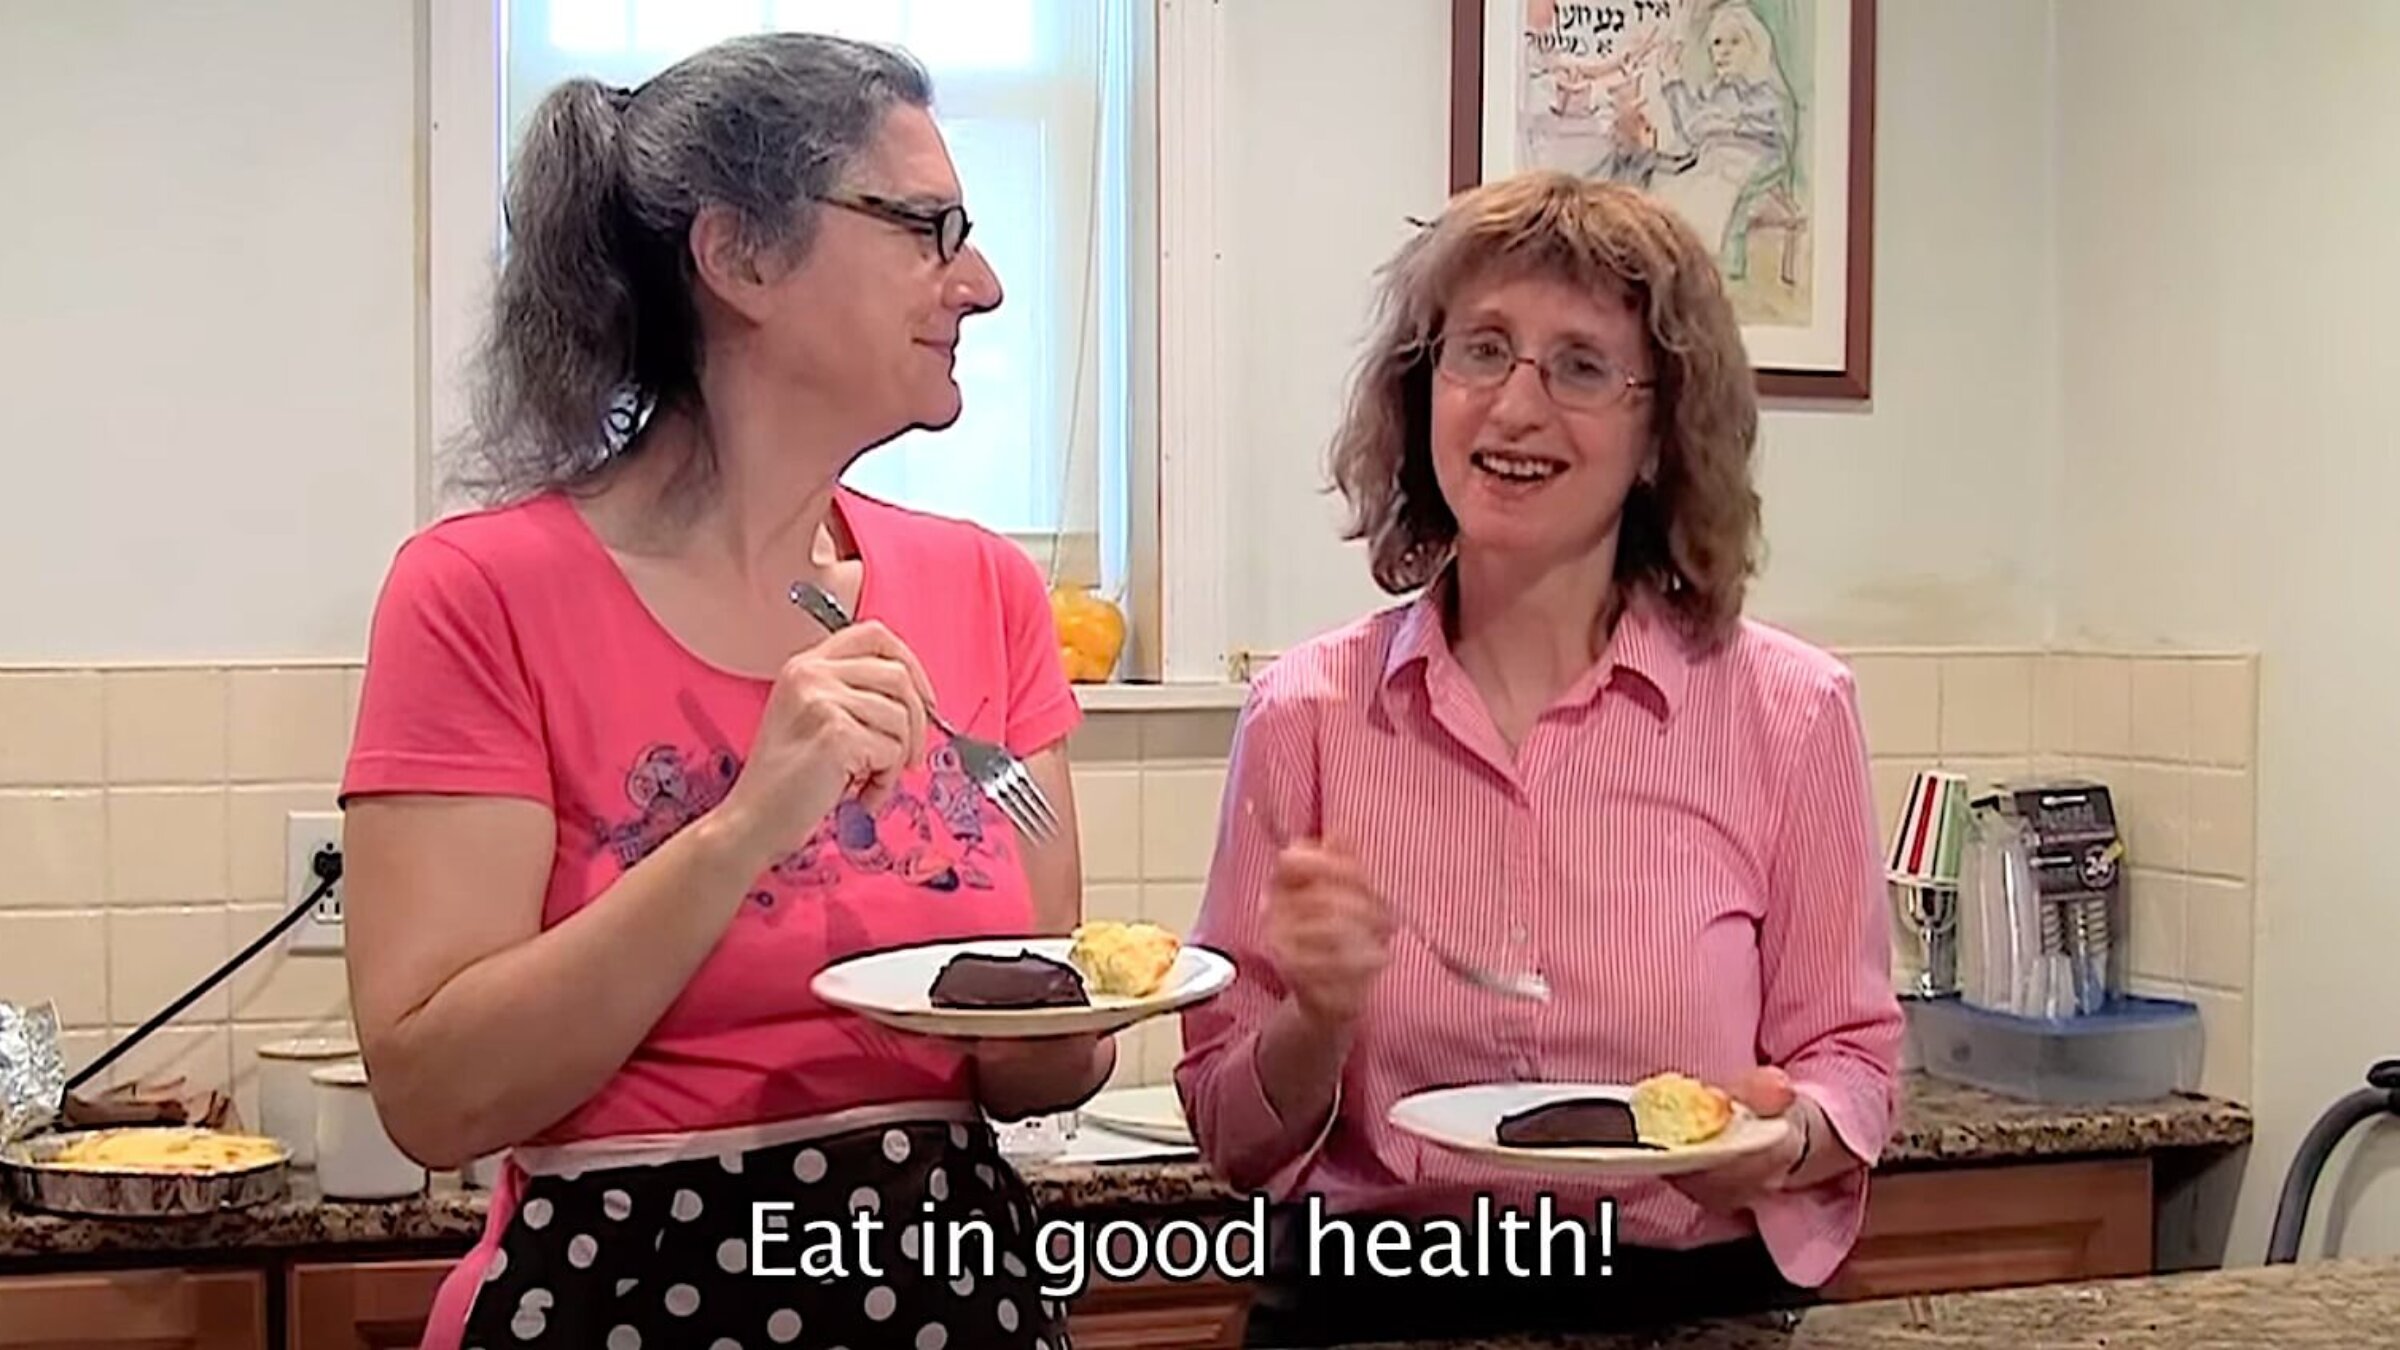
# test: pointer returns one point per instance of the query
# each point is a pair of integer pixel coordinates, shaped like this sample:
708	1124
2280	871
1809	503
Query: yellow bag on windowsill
1091	634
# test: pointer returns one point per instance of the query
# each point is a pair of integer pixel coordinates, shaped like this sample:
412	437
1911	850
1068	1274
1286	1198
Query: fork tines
1024	803
1003	778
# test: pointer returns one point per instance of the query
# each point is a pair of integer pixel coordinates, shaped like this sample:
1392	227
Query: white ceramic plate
892	987
1154	1113
1466	1120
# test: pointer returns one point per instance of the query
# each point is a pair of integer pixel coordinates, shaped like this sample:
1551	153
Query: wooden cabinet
1149	1311
384	1305
380	1305
135	1310
1208	1315
1985	1227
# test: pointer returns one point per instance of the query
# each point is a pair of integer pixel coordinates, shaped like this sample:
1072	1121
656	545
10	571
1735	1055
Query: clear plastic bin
2136	1049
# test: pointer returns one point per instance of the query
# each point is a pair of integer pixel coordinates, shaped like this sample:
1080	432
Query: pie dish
145	1171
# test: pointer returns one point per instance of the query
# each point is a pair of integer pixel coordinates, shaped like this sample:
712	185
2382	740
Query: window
1097	423
1035	99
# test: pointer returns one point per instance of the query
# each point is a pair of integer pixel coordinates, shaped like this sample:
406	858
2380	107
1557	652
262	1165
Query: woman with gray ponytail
612	799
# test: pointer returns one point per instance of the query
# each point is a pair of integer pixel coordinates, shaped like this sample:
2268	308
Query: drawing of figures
1690	100
1735	132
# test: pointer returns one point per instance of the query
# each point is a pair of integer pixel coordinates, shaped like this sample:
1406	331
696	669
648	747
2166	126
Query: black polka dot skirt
662	1256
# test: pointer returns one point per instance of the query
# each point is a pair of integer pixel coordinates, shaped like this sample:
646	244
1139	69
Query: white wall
207	324
1926	517
2228	189
228	477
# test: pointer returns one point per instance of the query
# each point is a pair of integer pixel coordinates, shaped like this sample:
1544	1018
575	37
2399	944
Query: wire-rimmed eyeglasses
946	226
1574	375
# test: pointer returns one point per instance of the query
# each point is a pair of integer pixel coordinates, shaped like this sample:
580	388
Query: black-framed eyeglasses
946	226
1574	375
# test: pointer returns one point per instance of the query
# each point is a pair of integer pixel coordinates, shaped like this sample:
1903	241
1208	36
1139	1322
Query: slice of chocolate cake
1021	981
1578	1122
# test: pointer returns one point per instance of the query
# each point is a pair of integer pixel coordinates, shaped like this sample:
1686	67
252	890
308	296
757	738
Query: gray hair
592	320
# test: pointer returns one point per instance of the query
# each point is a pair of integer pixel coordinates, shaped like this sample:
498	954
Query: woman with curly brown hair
1569	755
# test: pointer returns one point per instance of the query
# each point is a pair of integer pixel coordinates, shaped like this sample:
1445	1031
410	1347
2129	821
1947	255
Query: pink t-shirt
510	656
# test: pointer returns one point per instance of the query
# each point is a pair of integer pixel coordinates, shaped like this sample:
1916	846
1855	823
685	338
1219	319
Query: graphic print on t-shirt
936	831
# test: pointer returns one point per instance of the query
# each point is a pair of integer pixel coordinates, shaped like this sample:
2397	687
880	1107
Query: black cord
327	865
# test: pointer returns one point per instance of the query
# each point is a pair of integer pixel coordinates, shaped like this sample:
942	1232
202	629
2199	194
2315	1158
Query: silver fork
1001	775
1529	985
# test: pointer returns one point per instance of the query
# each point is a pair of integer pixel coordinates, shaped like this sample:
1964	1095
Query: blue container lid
2129	1010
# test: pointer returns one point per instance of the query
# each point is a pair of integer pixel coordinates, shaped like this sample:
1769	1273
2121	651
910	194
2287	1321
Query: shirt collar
1646	656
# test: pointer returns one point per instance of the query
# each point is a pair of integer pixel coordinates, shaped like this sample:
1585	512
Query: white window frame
1176	555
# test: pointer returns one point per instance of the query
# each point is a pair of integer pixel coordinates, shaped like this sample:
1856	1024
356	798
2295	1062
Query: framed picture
1754	119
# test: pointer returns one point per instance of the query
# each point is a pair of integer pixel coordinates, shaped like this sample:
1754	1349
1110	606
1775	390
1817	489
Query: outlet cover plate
305	832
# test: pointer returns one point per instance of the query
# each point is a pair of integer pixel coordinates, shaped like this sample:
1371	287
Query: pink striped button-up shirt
1683	845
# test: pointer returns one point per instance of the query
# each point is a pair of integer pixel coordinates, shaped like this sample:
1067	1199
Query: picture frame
1754	118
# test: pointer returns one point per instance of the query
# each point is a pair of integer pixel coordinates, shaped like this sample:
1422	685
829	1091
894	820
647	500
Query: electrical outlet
304	833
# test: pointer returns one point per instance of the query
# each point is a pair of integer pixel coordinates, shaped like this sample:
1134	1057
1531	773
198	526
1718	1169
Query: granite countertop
2315	1306
1941	1124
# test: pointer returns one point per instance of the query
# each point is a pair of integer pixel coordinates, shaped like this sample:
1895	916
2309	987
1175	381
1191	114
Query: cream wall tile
58	957
2224	712
2054	704
2150	987
2225	1025
353	679
1162	1046
154	955
1987	705
1106	738
1108	823
2217	934
2103	707
288	725
2155	907
166	845
2153	803
1115	900
1173	905
201	1056
166	726
2160	725
255	835
1205	735
79	1048
56	849
279	986
53	729
1983	773
1179	821
2222	822
1900	702
1131	1071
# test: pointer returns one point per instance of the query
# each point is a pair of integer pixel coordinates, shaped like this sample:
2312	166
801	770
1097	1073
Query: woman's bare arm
479	1027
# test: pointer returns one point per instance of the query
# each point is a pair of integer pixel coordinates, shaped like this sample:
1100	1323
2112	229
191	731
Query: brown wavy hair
1690	536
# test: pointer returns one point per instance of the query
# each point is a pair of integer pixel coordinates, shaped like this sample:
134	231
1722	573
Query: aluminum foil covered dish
33	1071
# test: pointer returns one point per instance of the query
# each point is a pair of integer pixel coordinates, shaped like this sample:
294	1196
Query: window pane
866	20
588	27
676	28
974	34
1021	86
997	463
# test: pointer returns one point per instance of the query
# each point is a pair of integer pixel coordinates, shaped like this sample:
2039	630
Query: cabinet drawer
135	1309
1982	1228
381	1305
